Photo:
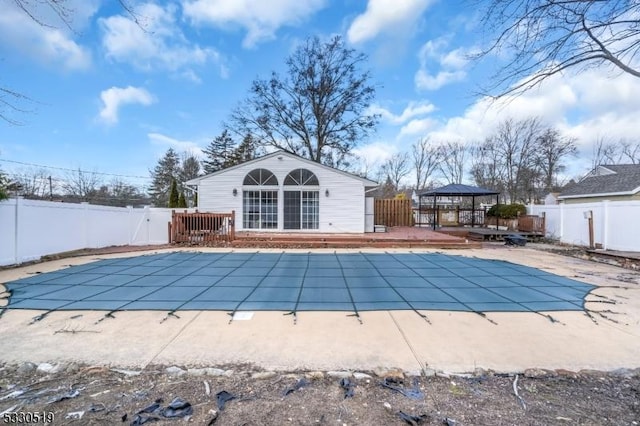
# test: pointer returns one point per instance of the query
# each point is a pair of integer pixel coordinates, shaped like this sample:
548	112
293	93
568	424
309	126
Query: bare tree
34	183
426	158
81	184
630	151
515	144
604	152
486	166
551	150
542	38
125	194
318	110
452	161
396	168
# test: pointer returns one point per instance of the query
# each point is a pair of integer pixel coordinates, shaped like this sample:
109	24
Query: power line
74	170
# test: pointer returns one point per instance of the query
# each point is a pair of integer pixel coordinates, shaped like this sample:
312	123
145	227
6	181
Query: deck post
473	211
434	212
232	224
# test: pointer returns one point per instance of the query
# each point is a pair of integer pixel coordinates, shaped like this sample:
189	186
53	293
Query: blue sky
110	97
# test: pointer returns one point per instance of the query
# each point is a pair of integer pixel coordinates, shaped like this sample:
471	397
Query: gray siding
341	211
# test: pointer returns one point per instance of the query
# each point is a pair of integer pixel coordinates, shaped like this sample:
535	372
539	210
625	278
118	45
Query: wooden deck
401	237
488	234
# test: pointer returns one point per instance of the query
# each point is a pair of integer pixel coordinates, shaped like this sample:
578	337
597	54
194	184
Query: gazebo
456	190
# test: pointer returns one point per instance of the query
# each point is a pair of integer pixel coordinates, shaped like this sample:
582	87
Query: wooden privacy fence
530	223
201	228
391	212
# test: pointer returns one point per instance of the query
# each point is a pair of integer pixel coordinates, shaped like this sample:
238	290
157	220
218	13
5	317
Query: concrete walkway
448	341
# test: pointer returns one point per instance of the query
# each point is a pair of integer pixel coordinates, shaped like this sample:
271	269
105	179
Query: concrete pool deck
449	341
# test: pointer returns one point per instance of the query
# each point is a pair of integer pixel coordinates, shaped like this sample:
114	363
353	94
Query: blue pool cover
299	282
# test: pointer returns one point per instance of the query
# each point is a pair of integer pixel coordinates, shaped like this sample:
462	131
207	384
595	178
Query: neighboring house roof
366	182
456	189
614	179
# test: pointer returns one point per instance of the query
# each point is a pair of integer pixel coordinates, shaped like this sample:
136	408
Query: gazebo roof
457	189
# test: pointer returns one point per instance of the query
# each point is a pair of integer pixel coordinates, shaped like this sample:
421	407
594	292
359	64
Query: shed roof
619	179
458	189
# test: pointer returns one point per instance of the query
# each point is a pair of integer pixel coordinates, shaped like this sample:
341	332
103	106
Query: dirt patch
584	253
100	396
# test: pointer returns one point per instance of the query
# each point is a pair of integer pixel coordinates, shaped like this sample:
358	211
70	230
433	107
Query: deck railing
449	216
478	217
201	228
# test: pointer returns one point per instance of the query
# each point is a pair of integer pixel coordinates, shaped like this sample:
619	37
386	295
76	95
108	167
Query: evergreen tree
3	186
173	195
162	176
246	151
182	201
189	169
219	153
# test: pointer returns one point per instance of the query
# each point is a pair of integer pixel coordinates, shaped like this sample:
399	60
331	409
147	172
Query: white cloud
426	81
372	156
585	106
451	65
261	19
386	16
413	109
115	97
418	127
159	44
179	145
42	43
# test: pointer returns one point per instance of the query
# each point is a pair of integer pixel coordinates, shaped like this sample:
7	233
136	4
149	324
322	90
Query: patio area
599	335
397	236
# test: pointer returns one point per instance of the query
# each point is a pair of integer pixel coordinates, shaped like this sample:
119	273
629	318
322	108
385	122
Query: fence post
232	231
605	223
85	223
561	222
16	253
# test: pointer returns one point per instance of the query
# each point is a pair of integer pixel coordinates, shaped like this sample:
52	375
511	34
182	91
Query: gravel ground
96	395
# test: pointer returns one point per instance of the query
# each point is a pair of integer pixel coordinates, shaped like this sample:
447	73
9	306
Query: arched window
260	206
260	177
301	177
301	205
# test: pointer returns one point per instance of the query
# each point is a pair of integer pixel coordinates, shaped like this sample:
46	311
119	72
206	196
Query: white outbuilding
282	192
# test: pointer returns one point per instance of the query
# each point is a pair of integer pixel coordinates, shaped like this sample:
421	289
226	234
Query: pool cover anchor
8	293
590	314
483	315
170	314
107	315
357	315
40	317
550	318
294	315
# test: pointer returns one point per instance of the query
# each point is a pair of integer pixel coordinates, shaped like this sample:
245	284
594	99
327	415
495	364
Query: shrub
507	211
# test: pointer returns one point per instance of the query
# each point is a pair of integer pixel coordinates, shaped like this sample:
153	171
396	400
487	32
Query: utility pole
50	190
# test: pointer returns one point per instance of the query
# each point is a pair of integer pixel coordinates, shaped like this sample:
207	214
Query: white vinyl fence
30	229
616	224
